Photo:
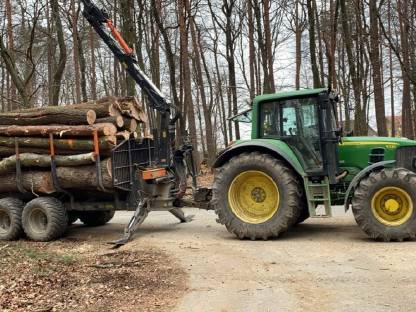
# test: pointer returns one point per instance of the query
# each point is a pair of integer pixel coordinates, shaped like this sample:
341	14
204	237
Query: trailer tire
44	219
384	205
257	196
96	218
11	219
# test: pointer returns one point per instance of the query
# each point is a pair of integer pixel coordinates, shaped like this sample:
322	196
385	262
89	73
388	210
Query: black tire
10	219
96	218
365	214
289	187
44	219
304	215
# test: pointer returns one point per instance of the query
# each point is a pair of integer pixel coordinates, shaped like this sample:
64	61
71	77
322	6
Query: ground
322	265
78	275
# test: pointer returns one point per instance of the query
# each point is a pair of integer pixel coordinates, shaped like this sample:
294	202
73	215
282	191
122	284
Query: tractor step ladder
318	193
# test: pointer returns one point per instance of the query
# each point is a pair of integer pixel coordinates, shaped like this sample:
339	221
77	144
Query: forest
212	57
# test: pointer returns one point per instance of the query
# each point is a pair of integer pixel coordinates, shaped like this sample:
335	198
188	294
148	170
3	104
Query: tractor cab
305	121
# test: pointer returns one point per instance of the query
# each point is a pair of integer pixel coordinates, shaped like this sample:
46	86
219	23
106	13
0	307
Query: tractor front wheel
257	196
384	205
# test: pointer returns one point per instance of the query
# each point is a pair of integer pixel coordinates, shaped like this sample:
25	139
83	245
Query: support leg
178	213
139	216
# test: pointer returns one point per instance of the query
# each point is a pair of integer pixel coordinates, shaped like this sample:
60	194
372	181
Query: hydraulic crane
153	171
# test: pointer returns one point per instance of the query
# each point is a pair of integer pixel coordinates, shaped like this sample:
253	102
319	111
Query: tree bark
360	118
81	178
106	129
29	160
59	72
407	121
268	46
10	45
376	66
105	143
312	44
49	115
183	6
128	30
75	51
251	49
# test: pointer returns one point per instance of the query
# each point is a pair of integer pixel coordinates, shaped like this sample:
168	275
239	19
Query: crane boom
103	25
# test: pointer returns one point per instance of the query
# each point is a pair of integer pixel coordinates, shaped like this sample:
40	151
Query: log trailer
296	160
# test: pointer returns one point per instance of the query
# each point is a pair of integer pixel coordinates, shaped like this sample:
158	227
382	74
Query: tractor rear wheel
10	218
257	196
44	219
96	218
304	215
384	205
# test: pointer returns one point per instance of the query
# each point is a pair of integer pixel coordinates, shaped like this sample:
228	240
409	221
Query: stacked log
72	128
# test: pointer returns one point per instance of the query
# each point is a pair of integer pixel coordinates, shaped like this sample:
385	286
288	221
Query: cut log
118	121
49	115
100	107
128	107
105	143
130	124
106	129
125	135
39	182
10	151
36	160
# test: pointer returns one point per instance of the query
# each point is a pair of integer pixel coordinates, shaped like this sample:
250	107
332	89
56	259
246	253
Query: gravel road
321	265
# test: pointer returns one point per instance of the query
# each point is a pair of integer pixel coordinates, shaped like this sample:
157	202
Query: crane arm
103	25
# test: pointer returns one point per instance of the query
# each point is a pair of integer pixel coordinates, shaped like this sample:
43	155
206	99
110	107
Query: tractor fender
260	146
362	174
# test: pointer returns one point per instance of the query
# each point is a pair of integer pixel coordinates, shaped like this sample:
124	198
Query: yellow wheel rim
253	197
392	206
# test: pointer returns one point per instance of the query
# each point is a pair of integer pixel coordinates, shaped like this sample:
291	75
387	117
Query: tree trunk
407	122
105	143
298	45
312	44
106	129
268	46
360	118
81	178
209	136
49	115
10	47
75	51
59	72
183	8
29	160
252	51
128	31
376	66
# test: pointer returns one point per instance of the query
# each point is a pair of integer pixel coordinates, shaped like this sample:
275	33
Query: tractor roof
288	94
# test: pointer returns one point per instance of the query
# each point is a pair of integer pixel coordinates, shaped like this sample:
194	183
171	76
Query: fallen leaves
55	277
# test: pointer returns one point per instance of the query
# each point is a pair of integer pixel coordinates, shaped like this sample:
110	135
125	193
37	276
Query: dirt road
322	265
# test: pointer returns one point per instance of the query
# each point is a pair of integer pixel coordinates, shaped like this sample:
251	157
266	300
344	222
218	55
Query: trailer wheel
44	219
384	205
257	196
10	218
96	218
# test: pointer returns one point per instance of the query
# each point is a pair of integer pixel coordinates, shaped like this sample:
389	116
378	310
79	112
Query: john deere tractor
298	160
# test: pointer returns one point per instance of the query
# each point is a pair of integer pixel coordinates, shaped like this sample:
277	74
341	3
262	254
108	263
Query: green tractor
297	159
